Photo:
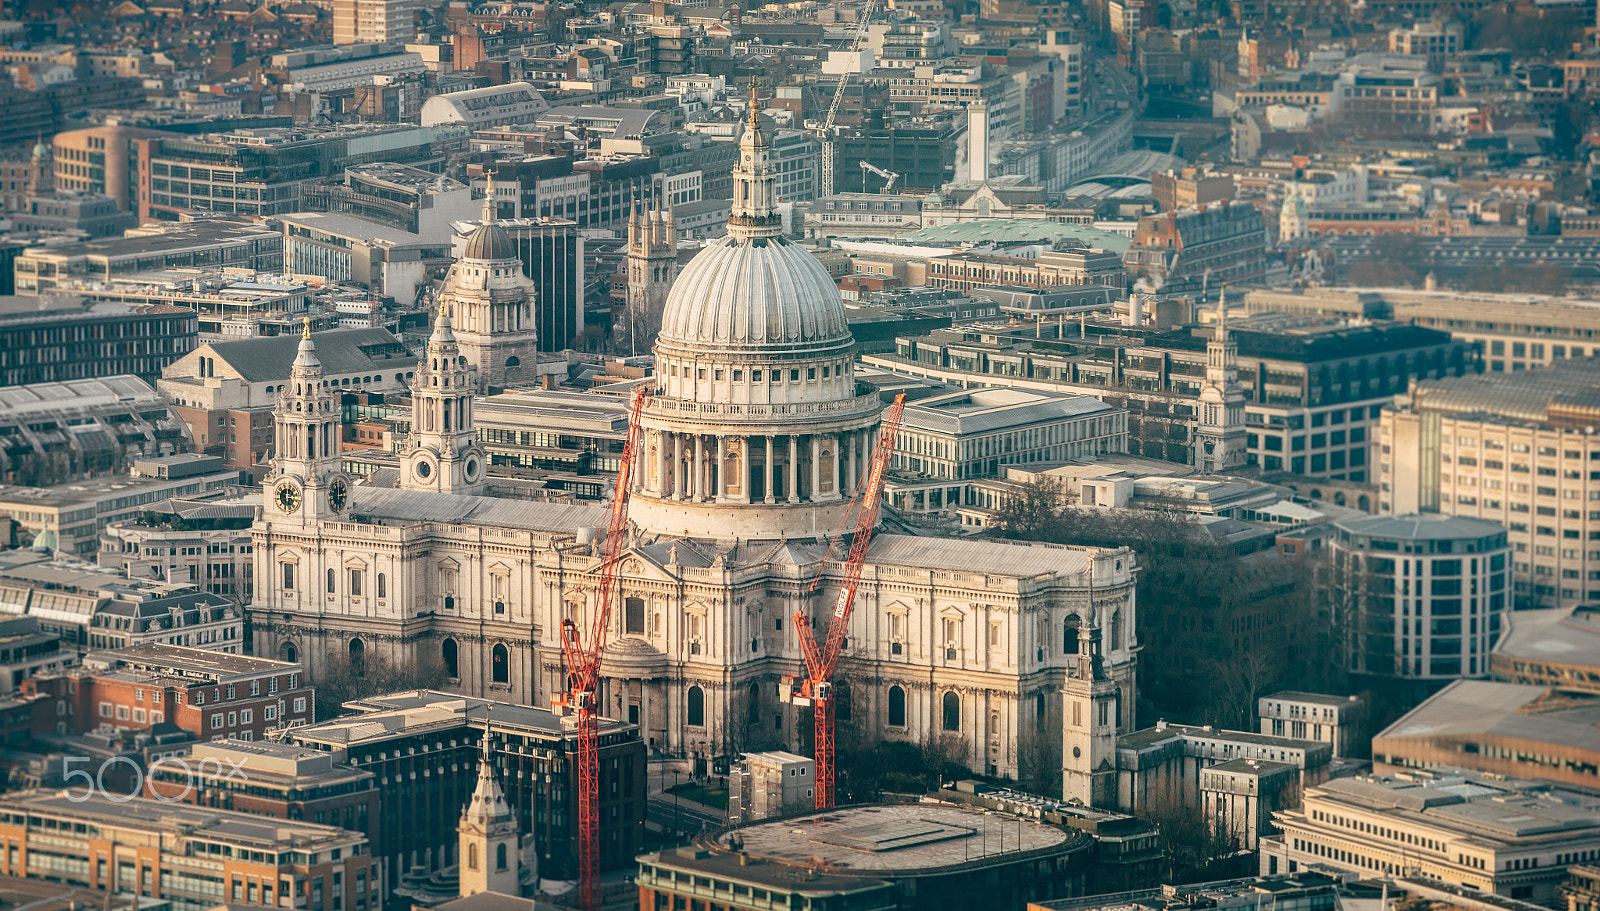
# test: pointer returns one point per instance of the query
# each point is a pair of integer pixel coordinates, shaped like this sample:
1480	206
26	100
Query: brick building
211	695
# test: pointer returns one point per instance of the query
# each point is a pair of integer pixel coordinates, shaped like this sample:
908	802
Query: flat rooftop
181	820
184	661
405	713
1478	710
893	839
1508	810
1560	636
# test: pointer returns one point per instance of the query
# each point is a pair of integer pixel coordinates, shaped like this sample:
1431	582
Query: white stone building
754	434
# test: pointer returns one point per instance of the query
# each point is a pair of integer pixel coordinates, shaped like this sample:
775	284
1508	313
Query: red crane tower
581	700
816	687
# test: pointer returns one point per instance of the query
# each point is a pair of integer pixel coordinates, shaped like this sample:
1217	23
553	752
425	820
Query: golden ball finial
305	331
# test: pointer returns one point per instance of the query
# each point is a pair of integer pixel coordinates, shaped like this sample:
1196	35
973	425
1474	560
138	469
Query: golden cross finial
306	331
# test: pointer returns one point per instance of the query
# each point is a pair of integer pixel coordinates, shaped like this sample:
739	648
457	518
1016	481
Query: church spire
490	860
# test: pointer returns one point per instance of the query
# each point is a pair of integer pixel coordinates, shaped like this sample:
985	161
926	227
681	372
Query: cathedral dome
489	241
754	293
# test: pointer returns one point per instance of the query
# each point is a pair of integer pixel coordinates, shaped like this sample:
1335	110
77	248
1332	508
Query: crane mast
816	687
580	704
826	132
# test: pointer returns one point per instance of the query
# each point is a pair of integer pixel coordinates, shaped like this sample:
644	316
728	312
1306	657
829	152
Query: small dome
763	292
41	151
490	242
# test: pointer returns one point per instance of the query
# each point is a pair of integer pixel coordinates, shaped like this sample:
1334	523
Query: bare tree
1039	756
342	680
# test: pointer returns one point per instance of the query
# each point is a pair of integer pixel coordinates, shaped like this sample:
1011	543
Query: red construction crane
583	669
816	687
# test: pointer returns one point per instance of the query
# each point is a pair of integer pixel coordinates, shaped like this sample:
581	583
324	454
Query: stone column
794	468
772	472
720	486
854	438
644	713
699	491
747	456
839	441
677	467
816	468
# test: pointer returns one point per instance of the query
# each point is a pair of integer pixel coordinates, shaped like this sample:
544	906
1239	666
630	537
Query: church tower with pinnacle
1091	711
489	856
652	264
446	455
1219	439
307	483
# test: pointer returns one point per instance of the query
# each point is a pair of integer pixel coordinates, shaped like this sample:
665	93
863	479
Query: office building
424	748
193	857
1509	729
27	650
210	694
1313	388
60	338
78	429
204	544
1419	597
374	21
1334	720
272	779
905	858
90	608
70	212
259	171
380	71
396	195
948	439
1501	836
1512	331
1513	448
230	304
481	109
348	249
1177	249
208	243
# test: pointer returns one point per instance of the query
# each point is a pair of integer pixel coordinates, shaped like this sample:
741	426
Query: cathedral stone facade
755	437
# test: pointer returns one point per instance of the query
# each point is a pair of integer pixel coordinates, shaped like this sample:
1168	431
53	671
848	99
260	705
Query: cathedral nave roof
425	506
1007	558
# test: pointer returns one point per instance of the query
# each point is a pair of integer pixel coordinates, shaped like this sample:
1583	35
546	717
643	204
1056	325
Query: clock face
338	494
287	496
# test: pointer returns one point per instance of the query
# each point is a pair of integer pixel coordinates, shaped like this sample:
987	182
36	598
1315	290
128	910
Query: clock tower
307	483
446	456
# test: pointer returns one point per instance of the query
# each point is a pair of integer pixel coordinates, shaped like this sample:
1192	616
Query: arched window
755	702
499	607
1038	710
697	707
287	652
502	664
358	657
500	857
897	707
1069	636
513	361
952	712
472	856
449	603
1116	631
383	586
330	581
841	701
447	651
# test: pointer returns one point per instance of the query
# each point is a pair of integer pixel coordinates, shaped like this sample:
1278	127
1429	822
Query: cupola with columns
758	428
